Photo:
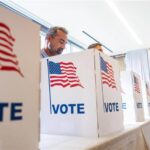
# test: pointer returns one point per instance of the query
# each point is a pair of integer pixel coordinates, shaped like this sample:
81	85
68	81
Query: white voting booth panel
76	99
146	98
19	82
132	97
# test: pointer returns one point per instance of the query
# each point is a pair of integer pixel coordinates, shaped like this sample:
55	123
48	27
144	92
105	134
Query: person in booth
55	41
97	46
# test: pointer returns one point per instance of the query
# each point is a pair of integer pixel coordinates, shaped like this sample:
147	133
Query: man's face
58	42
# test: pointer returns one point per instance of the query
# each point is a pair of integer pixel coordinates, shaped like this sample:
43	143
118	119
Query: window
71	46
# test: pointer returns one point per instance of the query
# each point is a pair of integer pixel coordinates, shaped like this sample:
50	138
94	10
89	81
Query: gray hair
53	31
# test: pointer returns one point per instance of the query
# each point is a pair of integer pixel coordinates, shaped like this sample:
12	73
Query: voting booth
132	97
80	95
146	98
19	82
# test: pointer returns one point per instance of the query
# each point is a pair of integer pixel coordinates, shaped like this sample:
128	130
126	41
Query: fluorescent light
123	20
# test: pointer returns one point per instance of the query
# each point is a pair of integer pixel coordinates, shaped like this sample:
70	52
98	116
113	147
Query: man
55	41
97	46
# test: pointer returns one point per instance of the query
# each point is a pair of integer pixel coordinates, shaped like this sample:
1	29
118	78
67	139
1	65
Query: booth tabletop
130	138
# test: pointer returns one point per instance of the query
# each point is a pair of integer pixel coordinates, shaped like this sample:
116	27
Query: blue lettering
55	109
117	107
72	106
2	105
139	105
68	108
15	110
80	109
106	107
111	107
124	106
63	109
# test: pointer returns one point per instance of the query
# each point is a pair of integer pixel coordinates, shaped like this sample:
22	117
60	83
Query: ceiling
98	19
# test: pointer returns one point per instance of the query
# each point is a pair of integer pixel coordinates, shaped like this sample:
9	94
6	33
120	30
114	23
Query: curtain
138	61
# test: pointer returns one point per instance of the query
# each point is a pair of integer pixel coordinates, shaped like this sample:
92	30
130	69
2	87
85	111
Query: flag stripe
7	53
59	80
136	84
7	35
67	64
2	25
74	85
64	80
5	46
106	79
9	60
60	84
10	68
66	67
63	76
5	40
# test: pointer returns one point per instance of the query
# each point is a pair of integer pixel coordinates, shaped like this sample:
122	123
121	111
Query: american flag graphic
136	84
147	89
63	74
8	59
107	73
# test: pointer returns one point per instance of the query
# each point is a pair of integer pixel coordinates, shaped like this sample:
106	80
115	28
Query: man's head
97	46
56	40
